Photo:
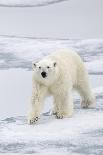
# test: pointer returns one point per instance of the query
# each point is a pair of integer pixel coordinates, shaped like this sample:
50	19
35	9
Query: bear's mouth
44	74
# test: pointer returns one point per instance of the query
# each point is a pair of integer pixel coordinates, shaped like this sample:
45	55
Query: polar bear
57	75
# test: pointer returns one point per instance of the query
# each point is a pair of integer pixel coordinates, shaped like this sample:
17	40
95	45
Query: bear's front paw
32	119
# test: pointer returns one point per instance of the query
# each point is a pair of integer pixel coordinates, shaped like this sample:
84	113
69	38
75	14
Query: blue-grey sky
69	19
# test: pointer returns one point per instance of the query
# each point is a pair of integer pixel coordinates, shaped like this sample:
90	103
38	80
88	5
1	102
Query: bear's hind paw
60	115
88	104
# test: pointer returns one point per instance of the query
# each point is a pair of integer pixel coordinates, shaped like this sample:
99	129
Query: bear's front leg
63	105
35	112
38	95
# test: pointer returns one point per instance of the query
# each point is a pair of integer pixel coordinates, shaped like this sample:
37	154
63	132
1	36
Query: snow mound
28	3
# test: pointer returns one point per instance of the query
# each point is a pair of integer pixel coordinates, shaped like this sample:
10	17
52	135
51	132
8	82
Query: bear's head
45	71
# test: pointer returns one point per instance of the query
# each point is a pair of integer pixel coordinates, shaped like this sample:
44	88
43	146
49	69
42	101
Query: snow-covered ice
80	135
20	52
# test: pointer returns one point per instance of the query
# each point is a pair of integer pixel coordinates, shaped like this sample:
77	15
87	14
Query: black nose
44	74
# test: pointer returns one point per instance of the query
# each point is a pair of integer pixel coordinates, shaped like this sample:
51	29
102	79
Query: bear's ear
33	65
55	64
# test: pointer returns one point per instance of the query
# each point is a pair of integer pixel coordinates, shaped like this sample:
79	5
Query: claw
33	120
36	118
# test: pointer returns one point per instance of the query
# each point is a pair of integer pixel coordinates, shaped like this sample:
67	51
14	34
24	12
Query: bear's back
69	62
67	58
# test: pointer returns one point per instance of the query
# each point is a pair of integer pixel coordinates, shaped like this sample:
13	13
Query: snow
95	66
81	134
28	3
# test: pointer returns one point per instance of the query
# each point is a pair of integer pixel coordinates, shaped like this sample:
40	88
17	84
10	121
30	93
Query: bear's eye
48	67
39	67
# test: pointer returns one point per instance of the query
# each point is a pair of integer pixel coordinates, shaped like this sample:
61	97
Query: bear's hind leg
84	88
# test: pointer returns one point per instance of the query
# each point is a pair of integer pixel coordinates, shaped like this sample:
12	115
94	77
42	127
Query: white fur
69	72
